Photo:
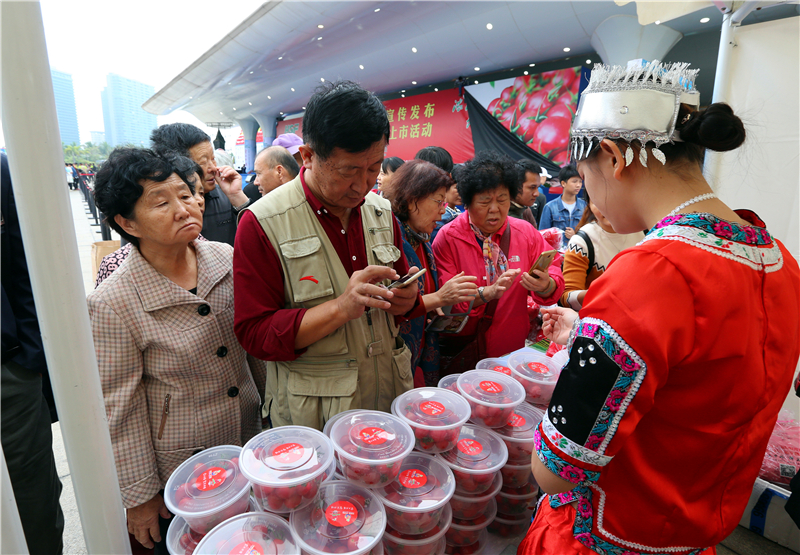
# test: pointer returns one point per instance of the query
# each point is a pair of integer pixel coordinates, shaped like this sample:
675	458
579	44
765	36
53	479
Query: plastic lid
559	359
329	424
249	534
286	456
533	366
424	484
481	521
491	388
449	382
478	451
495	364
521	424
206	483
423	539
494	489
372	436
344	518
528	491
431	408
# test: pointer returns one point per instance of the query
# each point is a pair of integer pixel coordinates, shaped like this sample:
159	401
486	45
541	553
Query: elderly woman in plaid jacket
175	380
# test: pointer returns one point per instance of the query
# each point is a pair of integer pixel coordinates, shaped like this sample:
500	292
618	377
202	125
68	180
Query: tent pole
36	162
12	536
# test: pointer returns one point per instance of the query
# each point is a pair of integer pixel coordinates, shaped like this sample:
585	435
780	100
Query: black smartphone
406	280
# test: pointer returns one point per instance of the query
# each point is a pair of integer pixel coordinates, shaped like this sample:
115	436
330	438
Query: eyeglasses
441	203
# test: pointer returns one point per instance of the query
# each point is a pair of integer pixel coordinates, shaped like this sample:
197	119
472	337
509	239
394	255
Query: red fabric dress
682	357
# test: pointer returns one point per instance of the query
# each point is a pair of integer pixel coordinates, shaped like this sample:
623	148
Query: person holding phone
684	350
500	252
418	204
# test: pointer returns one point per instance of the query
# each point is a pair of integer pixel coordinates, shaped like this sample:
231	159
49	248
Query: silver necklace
699	198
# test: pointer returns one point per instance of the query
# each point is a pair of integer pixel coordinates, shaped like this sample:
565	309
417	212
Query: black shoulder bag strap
589	247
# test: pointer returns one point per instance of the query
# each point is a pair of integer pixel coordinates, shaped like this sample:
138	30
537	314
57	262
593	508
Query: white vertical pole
36	162
12	537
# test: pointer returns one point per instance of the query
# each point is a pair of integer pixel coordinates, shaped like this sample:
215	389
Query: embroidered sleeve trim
633	370
569	447
559	462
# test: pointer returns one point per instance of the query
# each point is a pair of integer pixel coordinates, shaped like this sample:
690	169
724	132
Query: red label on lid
210	479
432	408
538	367
288	453
341	513
373	436
516	421
504	369
247	548
469	446
413	478
491	387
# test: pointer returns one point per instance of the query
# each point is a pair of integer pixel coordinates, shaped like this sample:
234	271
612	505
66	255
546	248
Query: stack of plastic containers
208	488
464	532
496	364
344	518
287	465
507	526
467	507
182	540
491	395
250	533
449	382
435	416
518	432
513	502
538	375
470	549
431	542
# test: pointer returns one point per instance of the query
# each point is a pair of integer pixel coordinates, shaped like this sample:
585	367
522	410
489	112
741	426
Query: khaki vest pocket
323	382
306	268
402	371
386	254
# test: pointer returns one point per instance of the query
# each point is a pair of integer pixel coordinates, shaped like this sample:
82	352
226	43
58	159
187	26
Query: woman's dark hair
588	216
457	169
118	181
437	156
340	114
568	172
177	137
487	171
391	164
414	181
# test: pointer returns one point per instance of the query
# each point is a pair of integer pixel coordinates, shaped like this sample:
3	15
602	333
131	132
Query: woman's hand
499	287
458	289
558	323
538	282
143	521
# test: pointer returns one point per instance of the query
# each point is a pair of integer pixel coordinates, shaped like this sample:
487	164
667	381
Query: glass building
65	107
125	120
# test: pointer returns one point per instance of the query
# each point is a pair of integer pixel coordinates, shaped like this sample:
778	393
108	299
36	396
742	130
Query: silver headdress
640	102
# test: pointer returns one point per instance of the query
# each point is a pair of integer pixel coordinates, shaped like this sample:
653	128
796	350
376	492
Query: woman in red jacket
484	242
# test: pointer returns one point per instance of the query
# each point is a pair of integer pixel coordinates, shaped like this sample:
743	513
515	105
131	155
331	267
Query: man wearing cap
292	143
310	264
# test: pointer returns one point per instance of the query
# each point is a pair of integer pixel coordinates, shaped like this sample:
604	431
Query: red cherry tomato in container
537	374
518	433
478	455
507	525
515	501
470	549
434	415
492	396
250	533
449	382
468	507
467	532
429	543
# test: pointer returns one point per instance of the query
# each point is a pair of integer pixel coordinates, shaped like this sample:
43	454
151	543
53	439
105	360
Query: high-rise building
98	137
125	120
65	107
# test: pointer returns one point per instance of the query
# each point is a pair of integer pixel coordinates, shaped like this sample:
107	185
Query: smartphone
544	261
406	280
449	323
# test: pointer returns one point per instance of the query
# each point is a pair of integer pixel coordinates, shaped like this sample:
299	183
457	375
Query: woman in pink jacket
484	242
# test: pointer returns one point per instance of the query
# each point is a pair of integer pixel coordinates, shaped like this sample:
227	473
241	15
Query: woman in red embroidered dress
684	350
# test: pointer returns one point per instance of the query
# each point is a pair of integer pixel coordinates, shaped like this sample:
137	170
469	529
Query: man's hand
143	521
403	299
361	291
230	182
538	282
568	233
499	287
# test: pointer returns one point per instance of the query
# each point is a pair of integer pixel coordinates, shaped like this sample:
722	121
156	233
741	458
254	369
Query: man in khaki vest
311	262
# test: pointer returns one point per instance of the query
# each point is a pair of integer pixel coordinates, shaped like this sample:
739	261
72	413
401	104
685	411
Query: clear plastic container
286	466
537	374
344	518
328	475
435	416
471	549
416	500
518	433
469	507
515	501
516	475
508	525
250	533
182	540
492	396
429	543
496	364
560	359
329	424
208	488
478	454
449	382
465	532
371	446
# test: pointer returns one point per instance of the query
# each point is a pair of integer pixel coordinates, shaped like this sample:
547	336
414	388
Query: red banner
240	138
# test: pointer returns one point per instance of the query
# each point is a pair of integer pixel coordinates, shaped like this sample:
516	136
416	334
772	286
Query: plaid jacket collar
157	292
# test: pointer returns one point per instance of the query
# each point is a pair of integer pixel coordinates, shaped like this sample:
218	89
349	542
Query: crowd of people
232	308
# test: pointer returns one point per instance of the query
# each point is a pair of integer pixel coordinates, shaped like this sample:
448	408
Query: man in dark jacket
25	431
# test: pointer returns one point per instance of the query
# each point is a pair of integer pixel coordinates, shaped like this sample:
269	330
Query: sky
147	40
